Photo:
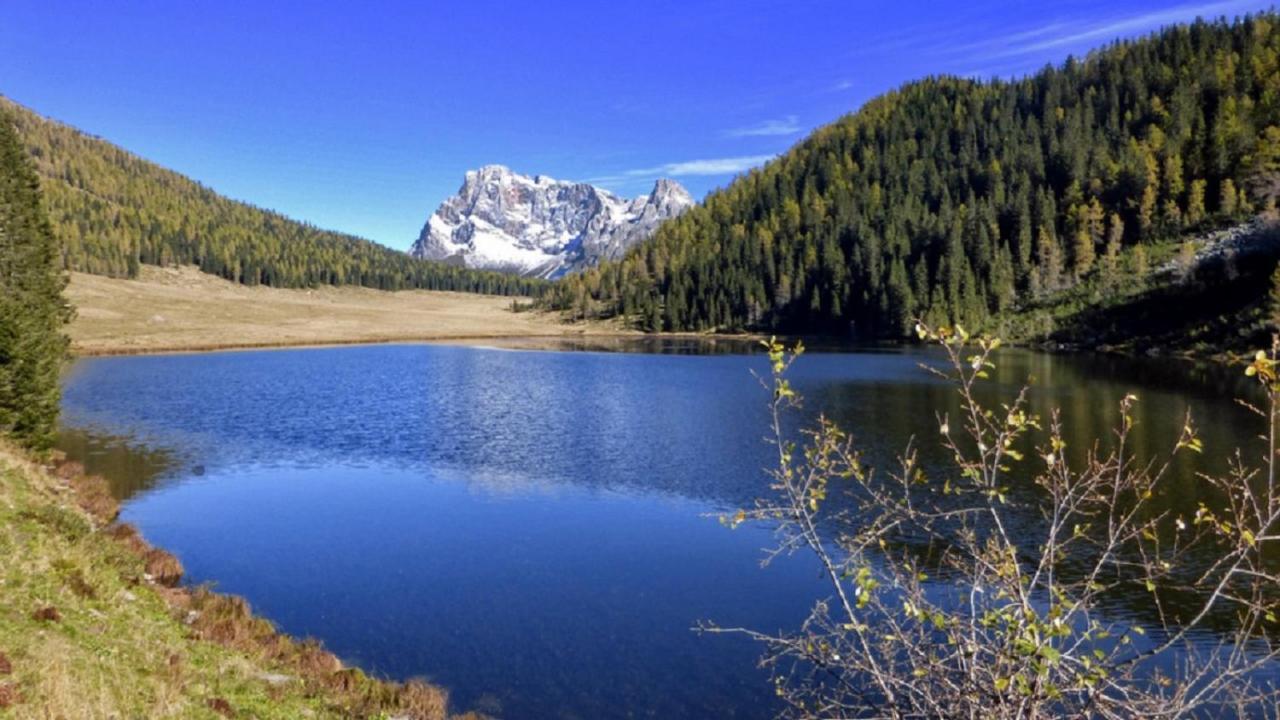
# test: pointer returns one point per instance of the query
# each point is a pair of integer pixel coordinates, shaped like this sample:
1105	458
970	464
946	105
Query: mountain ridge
113	211
535	225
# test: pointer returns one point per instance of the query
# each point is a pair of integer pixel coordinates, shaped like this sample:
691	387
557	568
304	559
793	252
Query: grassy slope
183	309
123	644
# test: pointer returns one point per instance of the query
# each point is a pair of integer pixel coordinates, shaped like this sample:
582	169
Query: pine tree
1115	231
1228	199
1082	250
1140	263
1173	183
1264	169
32	310
1111	258
1049	259
1150	194
1195	202
1171	216
1147	210
1186	259
1273	301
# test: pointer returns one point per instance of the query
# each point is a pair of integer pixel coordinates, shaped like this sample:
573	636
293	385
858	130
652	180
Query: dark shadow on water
645	344
129	467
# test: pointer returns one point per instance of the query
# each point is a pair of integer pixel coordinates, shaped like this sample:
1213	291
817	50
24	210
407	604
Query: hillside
966	201
114	212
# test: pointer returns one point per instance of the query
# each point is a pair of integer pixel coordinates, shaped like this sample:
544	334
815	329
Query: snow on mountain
502	220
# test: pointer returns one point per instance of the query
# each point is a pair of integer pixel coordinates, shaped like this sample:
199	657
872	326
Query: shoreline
531	342
185	630
549	341
124	350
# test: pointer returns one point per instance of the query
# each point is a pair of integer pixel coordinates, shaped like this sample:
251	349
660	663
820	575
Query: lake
536	529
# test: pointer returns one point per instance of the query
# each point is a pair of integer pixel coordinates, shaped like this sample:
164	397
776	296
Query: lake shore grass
93	623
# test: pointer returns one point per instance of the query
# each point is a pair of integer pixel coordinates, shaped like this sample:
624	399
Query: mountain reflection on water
529	526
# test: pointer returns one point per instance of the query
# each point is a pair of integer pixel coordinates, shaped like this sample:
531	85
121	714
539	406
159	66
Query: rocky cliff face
502	220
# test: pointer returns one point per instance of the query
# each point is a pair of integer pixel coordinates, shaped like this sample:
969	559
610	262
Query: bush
1016	625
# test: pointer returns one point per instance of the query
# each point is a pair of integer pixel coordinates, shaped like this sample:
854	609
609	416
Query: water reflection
130	468
527	527
692	345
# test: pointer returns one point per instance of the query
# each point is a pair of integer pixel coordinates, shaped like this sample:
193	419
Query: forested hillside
958	200
114	211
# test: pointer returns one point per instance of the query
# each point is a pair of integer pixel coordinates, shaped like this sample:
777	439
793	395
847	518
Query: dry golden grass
180	309
164	568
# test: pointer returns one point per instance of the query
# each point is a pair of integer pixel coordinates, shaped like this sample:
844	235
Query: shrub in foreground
984	588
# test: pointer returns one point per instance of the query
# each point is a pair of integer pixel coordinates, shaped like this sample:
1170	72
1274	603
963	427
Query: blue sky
363	116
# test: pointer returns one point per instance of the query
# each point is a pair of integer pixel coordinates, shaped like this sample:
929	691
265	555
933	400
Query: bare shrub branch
988	589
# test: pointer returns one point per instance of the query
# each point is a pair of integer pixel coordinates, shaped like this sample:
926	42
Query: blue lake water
534	530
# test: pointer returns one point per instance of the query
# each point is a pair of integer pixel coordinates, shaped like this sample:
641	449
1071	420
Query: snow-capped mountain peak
536	225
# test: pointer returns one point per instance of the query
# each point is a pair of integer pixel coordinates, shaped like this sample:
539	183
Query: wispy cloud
841	86
1059	35
705	168
716	166
789	125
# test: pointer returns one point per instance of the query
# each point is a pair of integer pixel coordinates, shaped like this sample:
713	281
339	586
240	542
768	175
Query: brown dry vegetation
92	625
182	309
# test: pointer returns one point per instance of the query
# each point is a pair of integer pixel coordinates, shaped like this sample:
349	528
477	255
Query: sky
364	116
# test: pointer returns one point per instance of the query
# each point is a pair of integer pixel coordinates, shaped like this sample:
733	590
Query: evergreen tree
1228	199
1111	258
1082	251
1186	259
1049	260
1140	264
1264	169
1273	301
32	310
1195	202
